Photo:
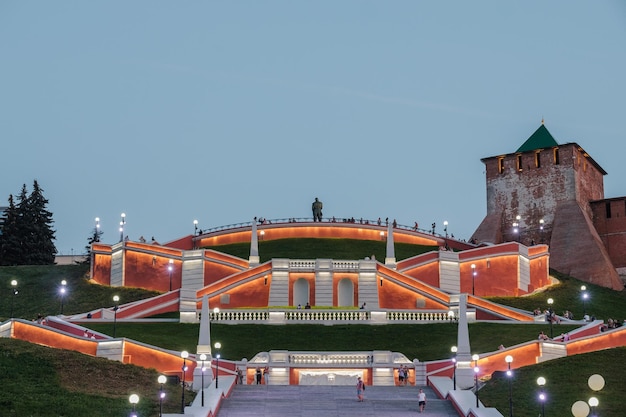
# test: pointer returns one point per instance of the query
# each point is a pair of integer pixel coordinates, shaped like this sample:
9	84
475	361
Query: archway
345	293
300	292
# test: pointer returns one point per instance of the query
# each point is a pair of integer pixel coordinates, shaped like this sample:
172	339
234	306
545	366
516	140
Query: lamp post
217	346
550	313
476	370
170	268
541	381
445	228
184	354
516	228
508	359
195	227
584	296
62	291
541	222
122	224
202	358
473	266
454	349
133	399
161	379
97	236
15	292
596	383
593	403
116	300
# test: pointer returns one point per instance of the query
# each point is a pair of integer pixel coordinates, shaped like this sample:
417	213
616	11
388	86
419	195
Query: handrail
340	316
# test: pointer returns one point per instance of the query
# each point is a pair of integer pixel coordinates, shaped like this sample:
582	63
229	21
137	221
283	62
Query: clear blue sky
222	111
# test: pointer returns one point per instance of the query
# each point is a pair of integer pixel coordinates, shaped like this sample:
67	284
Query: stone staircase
329	401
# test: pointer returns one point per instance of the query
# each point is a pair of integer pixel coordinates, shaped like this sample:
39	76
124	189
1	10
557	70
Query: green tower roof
539	140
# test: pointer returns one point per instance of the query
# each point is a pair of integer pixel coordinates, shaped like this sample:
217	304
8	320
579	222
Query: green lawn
416	341
42	382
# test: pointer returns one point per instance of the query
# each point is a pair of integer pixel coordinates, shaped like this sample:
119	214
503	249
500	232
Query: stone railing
240	316
327	315
427	316
318	316
328	359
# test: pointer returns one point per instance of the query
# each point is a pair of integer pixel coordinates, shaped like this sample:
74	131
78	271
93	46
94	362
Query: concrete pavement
330	401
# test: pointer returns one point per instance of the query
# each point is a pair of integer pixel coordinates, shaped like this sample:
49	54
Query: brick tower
543	194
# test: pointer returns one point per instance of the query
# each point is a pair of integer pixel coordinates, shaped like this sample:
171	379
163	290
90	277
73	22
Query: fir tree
27	238
94	238
42	249
9	238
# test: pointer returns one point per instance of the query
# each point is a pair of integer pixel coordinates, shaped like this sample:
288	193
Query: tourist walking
421	400
360	388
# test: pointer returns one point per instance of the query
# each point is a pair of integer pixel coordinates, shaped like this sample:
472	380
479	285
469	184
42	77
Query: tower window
608	210
519	162
537	159
500	165
556	156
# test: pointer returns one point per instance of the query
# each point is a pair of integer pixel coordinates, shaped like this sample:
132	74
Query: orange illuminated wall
101	264
318	230
310	278
250	294
435	295
42	336
294	374
393	296
354	278
145	270
148	357
249	288
427	272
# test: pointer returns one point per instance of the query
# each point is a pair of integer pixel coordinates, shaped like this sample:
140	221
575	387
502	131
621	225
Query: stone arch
345	293
300	292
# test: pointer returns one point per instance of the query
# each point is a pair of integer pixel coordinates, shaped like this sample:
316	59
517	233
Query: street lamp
116	300
541	381
593	403
62	291
122	224
550	314
476	370
508	359
202	358
454	349
133	399
473	266
161	379
97	236
15	292
184	354
585	295
217	346
541	222
195	227
170	268
596	383
445	228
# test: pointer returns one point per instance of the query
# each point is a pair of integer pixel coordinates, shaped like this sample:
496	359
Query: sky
172	112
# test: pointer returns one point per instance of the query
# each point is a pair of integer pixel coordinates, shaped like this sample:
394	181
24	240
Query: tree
42	250
27	238
94	238
9	238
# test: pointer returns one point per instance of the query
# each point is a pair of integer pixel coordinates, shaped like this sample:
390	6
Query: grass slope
323	249
38	291
42	382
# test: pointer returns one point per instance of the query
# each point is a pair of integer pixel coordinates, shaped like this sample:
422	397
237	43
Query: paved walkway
329	401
